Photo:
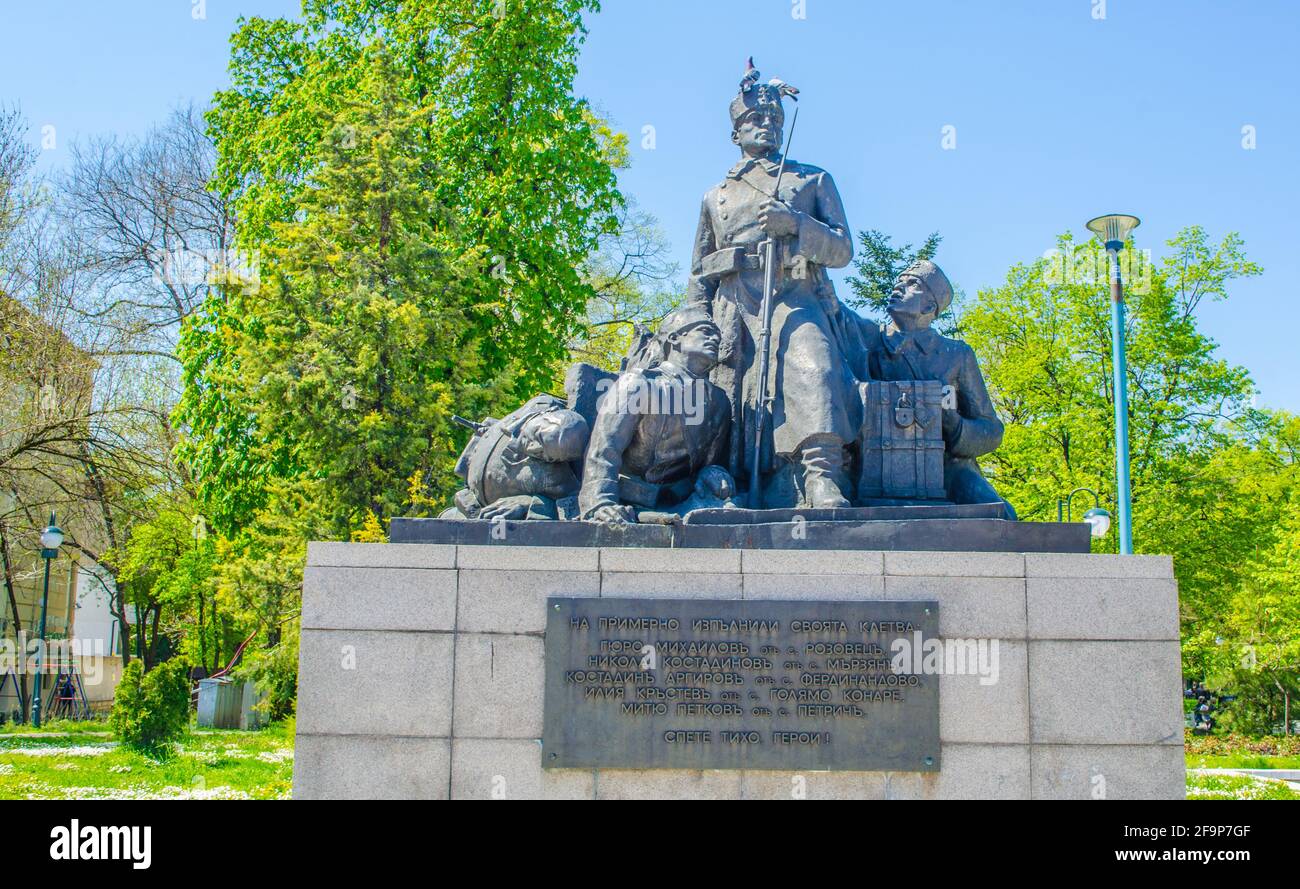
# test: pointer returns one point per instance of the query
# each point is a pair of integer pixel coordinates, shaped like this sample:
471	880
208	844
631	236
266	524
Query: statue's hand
777	219
716	482
613	514
511	508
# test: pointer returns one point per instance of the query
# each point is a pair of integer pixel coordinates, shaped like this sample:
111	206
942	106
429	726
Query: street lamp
1097	518
1114	229
51	540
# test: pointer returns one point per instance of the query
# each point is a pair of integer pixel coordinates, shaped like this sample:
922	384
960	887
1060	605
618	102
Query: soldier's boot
823	460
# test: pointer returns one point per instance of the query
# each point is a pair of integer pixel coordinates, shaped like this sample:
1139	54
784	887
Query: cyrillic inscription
722	684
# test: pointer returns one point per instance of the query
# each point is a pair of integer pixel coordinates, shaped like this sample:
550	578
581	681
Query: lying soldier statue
521	467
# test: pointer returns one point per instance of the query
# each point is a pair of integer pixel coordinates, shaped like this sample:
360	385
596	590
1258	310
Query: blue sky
1058	115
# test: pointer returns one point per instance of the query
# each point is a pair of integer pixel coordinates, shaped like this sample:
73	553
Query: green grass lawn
207	764
1242	761
85	763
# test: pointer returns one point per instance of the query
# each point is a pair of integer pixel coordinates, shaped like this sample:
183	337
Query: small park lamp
1114	229
51	540
1097	518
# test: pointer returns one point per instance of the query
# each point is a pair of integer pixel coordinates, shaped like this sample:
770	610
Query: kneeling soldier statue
656	428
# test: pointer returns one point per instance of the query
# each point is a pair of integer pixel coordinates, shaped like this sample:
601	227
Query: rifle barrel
765	337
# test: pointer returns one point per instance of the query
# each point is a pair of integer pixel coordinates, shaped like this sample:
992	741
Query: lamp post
1097	518
51	540
1114	229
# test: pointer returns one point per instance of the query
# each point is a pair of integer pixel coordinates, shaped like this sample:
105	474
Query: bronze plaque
729	684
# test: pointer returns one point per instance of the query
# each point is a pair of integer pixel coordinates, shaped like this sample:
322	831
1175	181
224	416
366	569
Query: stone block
811	562
483	768
667	784
1102	608
670	561
366	682
515	601
985	771
1109	772
943	564
529	558
1098	565
378	598
500	682
814	587
361	767
1105	693
970	607
338	554
811	785
670	586
971	711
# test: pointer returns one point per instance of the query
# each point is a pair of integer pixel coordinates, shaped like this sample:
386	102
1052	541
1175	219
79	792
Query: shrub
1231	744
151	710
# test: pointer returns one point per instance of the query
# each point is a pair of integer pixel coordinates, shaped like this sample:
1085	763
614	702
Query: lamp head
1113	228
1099	519
51	539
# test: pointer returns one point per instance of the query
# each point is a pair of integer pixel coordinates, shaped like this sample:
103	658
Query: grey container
224	703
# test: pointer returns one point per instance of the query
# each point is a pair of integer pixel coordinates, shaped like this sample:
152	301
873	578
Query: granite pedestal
421	671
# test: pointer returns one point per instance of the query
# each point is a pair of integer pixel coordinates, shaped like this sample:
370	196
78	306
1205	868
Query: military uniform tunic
642	433
809	378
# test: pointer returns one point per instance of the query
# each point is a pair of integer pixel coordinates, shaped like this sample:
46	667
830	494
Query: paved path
21	735
1290	776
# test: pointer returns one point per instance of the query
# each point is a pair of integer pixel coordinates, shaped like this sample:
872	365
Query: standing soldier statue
810	409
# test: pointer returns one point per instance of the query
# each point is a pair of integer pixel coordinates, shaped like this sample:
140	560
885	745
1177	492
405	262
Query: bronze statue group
763	390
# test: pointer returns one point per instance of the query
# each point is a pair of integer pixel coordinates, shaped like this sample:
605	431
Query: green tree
165	572
496	182
1211	475
524	167
361	346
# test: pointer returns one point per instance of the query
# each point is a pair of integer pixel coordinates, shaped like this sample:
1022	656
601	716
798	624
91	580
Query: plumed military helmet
934	280
754	95
562	434
682	319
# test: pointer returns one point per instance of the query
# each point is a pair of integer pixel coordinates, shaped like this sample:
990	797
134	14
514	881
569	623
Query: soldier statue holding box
908	349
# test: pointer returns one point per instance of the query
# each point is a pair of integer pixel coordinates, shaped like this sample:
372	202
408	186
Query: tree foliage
878	263
422	189
1214	479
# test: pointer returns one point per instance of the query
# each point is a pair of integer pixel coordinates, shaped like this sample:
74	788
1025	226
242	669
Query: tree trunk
20	675
153	636
1286	707
203	642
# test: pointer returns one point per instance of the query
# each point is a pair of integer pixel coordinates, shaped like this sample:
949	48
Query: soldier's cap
757	96
683	319
934	280
562	434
